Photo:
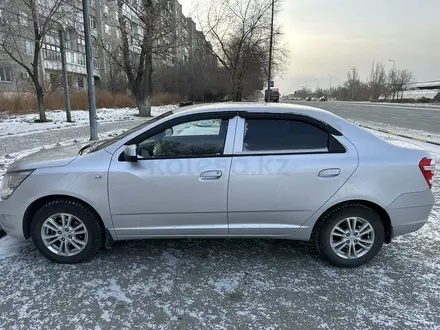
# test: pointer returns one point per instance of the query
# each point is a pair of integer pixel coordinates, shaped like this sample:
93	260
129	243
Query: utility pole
352	84
393	77
89	65
65	80
270	53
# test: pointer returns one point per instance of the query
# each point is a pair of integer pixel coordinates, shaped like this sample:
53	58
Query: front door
179	184
282	172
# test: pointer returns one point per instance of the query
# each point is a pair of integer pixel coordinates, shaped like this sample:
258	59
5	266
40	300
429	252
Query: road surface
405	116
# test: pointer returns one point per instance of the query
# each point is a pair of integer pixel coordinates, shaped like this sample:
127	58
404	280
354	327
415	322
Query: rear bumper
409	212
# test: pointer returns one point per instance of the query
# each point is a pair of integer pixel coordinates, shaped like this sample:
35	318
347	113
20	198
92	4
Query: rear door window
283	135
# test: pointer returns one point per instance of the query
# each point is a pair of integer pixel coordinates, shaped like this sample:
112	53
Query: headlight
11	181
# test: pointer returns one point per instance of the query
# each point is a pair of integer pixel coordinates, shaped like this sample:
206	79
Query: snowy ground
12	125
223	284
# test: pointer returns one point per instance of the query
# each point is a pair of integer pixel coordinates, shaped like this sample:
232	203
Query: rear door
283	170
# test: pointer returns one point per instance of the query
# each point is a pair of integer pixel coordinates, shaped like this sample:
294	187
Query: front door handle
329	172
210	175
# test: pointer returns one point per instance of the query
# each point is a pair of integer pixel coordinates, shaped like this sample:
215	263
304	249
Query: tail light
427	166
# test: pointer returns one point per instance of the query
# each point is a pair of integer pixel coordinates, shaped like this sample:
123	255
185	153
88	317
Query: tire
323	237
91	241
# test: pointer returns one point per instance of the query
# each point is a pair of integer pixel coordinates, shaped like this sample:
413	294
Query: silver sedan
230	170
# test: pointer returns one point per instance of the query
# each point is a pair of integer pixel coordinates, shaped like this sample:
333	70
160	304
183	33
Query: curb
400	135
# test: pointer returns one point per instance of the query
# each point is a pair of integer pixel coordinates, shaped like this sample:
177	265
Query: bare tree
239	32
29	23
147	31
377	81
403	78
353	83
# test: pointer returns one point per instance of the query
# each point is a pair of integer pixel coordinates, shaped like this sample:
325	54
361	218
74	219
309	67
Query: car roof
253	107
297	109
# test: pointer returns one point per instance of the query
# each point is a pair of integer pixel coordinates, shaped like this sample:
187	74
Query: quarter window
199	138
280	134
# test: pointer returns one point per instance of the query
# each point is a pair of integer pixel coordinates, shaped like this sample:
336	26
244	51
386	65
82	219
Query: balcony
76	62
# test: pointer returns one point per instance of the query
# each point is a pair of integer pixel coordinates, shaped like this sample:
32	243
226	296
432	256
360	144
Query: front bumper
409	212
11	219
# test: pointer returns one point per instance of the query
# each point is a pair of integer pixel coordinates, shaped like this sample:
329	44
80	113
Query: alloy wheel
64	234
352	238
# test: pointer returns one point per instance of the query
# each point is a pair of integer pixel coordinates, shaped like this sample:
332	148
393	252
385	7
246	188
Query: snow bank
26	123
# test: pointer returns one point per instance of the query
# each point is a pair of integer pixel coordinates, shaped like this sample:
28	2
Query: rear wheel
349	236
67	231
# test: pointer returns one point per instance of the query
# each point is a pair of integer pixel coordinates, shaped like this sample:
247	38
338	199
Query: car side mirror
130	153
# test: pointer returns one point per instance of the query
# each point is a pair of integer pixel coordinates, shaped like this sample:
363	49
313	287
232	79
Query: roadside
427	106
12	125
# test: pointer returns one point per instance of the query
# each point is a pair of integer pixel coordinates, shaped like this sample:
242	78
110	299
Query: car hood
55	157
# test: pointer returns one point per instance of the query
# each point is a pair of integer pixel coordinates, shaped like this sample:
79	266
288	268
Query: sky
329	37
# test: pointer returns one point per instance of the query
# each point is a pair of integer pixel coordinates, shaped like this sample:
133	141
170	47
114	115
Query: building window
134	28
28	47
23	18
92	22
5	74
80	82
96	64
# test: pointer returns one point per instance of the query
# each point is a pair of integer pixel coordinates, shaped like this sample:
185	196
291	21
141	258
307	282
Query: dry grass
27	103
165	99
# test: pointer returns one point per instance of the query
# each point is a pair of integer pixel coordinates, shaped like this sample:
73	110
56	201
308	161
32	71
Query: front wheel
67	231
349	236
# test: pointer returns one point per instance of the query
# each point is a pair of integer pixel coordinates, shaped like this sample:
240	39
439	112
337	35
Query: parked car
314	98
322	99
223	170
308	98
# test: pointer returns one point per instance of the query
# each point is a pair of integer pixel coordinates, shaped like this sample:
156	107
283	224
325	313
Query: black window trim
333	145
223	115
290	116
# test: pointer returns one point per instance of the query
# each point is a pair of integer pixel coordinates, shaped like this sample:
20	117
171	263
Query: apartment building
184	43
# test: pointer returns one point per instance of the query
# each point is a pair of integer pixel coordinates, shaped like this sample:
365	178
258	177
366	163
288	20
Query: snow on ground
426	106
6	160
424	135
26	123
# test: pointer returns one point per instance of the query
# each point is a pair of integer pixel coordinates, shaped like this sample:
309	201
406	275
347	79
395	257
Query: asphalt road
404	116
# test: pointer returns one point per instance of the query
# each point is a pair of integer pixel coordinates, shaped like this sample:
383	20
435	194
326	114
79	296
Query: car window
199	127
280	134
191	139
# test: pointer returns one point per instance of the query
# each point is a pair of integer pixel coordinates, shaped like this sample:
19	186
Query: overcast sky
328	37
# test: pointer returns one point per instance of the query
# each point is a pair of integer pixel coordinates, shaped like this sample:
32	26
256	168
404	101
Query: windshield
106	143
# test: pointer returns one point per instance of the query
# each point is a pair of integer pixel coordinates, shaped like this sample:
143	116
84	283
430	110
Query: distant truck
274	94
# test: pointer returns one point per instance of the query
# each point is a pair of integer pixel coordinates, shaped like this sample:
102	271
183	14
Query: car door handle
210	175
329	172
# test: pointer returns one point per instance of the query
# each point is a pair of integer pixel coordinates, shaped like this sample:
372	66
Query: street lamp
317	84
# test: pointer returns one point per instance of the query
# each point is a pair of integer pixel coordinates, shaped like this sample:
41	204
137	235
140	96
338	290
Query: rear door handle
329	172
210	175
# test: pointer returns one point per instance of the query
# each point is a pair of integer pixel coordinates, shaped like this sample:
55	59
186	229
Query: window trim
231	116
291	116
239	138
